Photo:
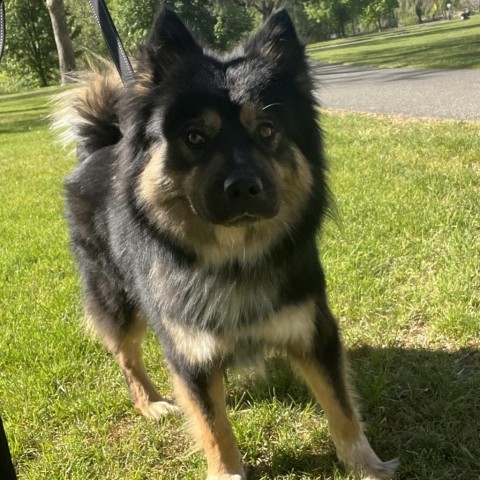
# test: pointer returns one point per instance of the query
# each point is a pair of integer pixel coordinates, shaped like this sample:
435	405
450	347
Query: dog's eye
195	138
266	131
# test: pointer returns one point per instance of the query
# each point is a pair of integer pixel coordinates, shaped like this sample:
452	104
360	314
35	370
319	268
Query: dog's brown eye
196	139
266	131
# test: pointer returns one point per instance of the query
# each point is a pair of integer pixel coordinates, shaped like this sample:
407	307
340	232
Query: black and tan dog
194	209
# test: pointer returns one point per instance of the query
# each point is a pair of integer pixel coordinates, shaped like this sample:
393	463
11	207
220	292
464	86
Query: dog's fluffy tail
88	114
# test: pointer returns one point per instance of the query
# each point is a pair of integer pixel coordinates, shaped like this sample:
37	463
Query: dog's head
234	139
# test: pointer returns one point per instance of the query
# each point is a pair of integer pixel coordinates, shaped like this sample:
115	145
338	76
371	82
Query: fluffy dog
194	208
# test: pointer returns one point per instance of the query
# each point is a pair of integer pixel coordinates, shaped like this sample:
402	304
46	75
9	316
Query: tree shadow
19	114
23	125
20	96
22	110
419	405
441	54
379	38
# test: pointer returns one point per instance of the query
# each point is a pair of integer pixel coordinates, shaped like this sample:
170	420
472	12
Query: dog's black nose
241	197
242	189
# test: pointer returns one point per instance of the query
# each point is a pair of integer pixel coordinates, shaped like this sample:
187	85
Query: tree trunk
418	13
66	55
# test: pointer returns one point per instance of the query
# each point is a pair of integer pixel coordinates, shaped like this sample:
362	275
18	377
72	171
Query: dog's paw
379	471
157	410
360	460
226	476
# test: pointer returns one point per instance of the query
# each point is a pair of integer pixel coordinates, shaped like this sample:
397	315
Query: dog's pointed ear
169	41
277	42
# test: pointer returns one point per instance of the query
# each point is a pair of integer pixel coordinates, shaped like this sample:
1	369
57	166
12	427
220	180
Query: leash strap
7	470
112	39
2	28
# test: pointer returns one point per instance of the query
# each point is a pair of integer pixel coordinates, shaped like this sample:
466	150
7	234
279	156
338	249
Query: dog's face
233	140
226	152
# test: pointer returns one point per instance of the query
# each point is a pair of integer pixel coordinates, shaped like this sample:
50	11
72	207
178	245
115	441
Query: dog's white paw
157	410
379	471
360	459
226	476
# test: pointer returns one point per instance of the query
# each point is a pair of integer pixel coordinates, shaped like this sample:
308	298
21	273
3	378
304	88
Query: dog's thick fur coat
194	209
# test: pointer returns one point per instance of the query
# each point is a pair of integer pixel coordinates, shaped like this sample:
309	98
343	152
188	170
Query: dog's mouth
243	220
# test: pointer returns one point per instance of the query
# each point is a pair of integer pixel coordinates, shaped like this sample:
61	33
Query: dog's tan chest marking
292	327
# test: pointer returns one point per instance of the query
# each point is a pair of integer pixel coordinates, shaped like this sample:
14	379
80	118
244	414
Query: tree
199	15
342	12
376	11
134	18
335	15
232	23
30	48
419	11
84	32
66	54
218	23
265	7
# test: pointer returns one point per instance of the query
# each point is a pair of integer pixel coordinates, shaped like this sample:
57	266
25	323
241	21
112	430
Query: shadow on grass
285	463
420	405
28	95
437	54
385	36
39	108
24	125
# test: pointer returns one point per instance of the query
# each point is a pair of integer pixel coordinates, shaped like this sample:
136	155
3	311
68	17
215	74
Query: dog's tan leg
125	345
323	369
353	448
202	397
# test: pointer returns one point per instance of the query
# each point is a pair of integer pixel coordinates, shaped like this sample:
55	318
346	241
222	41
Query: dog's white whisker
271	105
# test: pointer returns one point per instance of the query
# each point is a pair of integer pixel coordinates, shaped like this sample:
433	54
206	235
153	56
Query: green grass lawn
402	260
447	44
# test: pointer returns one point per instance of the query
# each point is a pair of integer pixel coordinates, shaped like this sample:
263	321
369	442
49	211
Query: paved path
447	94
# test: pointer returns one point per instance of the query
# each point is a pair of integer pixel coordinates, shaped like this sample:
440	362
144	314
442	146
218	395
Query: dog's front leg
323	367
201	394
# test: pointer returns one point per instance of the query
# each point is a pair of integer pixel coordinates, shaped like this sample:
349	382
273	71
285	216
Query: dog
194	209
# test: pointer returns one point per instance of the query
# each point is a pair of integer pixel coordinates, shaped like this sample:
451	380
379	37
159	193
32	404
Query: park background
31	57
402	259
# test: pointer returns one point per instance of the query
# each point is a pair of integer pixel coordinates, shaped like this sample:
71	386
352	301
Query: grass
448	44
403	271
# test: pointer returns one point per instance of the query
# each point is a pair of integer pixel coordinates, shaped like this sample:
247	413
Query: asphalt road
441	94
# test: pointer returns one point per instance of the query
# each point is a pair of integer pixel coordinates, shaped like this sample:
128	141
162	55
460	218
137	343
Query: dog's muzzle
245	197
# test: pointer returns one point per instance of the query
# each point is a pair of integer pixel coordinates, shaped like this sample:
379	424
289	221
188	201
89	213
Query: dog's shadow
419	405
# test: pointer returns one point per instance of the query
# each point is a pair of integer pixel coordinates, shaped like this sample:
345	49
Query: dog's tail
88	114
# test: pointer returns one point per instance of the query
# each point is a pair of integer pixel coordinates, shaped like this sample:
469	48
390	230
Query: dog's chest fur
233	316
231	313
214	299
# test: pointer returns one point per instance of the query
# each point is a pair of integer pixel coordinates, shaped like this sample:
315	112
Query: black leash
6	466
112	39
2	28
